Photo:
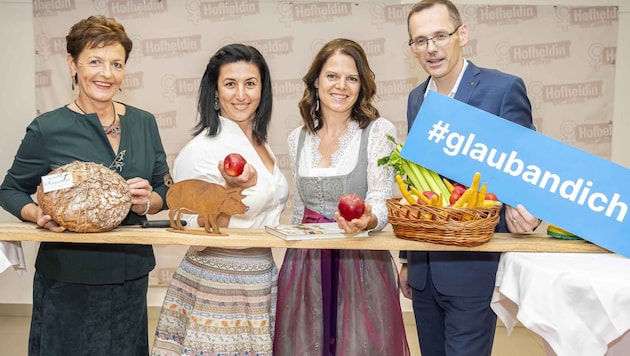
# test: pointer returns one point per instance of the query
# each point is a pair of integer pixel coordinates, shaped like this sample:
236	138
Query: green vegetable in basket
416	175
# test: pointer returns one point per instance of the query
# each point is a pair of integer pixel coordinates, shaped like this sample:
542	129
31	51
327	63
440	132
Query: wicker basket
449	226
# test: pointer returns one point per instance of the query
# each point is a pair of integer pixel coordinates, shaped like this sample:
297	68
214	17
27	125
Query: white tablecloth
12	255
579	303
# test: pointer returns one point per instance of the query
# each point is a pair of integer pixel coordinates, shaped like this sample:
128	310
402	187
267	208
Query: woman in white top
340	302
222	301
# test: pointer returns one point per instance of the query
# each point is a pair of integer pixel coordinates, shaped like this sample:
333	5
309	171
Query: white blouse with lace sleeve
380	178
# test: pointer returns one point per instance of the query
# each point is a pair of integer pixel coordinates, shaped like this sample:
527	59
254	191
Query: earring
316	101
73	79
216	101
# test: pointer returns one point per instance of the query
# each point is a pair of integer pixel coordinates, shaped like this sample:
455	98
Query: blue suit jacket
469	273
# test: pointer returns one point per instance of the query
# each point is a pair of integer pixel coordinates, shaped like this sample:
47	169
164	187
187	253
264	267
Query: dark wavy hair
96	31
208	116
363	111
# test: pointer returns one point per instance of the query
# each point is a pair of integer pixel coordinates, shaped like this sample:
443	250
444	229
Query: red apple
455	195
233	164
351	206
491	196
429	194
459	186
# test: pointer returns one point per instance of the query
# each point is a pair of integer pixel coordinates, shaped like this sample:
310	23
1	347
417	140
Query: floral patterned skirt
219	304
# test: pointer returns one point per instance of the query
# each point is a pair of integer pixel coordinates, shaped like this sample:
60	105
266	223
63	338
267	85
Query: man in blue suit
451	291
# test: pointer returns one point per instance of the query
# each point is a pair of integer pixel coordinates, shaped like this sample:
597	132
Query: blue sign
561	184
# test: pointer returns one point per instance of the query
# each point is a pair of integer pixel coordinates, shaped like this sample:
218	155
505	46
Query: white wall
17	104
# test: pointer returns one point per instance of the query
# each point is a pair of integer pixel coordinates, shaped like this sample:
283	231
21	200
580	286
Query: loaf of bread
99	199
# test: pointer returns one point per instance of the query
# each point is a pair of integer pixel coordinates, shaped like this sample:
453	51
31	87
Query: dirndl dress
337	302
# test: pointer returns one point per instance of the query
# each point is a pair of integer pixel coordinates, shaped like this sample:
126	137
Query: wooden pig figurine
208	200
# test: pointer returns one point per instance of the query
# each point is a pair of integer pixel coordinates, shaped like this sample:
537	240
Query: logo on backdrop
43	78
272	47
373	47
169	46
532	54
285	89
594	137
395	89
593	134
129	9
601	55
42	8
571	93
218	11
166	120
389	14
316	45
282	159
505	14
564	93
586	17
133	81
401	128
179	87
470	50
47	46
291	122
313	12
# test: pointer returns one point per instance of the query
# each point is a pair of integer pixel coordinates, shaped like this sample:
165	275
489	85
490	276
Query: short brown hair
363	111
97	31
426	4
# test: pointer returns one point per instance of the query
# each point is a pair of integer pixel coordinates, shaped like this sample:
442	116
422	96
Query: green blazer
62	136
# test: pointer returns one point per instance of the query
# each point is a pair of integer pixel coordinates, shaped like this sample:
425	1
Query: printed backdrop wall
566	55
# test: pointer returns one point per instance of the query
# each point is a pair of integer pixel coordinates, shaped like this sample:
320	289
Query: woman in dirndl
340	302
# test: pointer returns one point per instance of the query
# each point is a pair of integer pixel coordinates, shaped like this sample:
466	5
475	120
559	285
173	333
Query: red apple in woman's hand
233	164
351	206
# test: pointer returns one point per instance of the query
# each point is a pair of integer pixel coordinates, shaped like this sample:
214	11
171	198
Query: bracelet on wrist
147	208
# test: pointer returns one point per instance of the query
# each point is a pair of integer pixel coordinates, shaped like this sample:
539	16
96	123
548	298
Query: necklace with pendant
109	129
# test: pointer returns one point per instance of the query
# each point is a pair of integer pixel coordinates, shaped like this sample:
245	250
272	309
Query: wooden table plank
238	238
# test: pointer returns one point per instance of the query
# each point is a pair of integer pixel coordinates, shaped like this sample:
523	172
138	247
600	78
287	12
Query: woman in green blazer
90	299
